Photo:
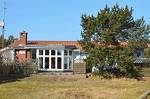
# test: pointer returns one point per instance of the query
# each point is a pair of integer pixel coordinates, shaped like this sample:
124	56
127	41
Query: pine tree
103	34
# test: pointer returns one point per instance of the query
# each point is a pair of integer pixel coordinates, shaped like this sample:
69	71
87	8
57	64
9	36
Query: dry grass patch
73	87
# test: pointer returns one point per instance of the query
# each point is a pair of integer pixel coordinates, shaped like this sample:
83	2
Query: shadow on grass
11	78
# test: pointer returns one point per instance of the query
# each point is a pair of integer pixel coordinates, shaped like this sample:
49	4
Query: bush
21	68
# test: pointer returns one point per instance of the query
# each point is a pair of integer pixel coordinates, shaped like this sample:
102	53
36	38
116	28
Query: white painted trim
37	54
43	59
62	59
62	56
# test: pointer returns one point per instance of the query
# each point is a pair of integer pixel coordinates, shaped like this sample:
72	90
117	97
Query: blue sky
59	19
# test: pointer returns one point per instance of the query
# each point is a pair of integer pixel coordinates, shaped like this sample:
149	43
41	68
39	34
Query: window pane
58	52
52	52
70	53
59	63
41	62
70	63
34	54
65	63
53	62
46	52
40	52
46	62
65	52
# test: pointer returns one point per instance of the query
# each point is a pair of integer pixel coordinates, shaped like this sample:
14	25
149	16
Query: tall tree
7	41
1	42
113	34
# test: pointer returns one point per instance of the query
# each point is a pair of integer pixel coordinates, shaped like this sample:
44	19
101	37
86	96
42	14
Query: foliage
113	35
7	41
73	87
147	53
21	68
1	45
147	56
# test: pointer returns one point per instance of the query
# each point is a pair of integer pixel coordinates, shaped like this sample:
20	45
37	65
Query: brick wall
23	39
23	55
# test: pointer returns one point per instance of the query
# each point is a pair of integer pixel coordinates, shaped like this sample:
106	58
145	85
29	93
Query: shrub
21	68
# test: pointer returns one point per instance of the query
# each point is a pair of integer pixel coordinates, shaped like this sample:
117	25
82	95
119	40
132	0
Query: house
49	55
53	55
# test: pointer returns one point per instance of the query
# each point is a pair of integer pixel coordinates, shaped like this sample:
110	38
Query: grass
73	87
148	97
146	71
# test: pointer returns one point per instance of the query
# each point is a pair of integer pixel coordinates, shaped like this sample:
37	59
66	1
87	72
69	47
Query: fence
79	68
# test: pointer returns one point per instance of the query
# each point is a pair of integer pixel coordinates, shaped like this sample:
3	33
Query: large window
65	63
70	62
41	62
59	63
53	62
68	59
55	59
46	62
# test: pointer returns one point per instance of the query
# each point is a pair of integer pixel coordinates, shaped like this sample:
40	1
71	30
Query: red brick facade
22	54
23	38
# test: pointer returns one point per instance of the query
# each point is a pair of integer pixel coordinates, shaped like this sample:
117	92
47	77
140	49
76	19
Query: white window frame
51	56
71	57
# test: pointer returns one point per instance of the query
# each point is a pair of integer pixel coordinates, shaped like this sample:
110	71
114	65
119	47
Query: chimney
23	38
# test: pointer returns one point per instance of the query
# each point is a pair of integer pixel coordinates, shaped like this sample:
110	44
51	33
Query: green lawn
73	87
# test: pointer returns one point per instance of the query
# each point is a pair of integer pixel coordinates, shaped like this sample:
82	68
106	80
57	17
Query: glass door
40	62
46	63
53	63
59	63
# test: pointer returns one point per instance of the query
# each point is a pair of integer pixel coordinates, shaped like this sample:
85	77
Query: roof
46	43
52	47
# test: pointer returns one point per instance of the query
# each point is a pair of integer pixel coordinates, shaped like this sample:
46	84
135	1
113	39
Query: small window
58	52
52	52
46	52
40	52
65	52
70	53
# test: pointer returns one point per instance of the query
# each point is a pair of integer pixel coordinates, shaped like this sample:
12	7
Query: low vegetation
18	68
146	72
73	87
